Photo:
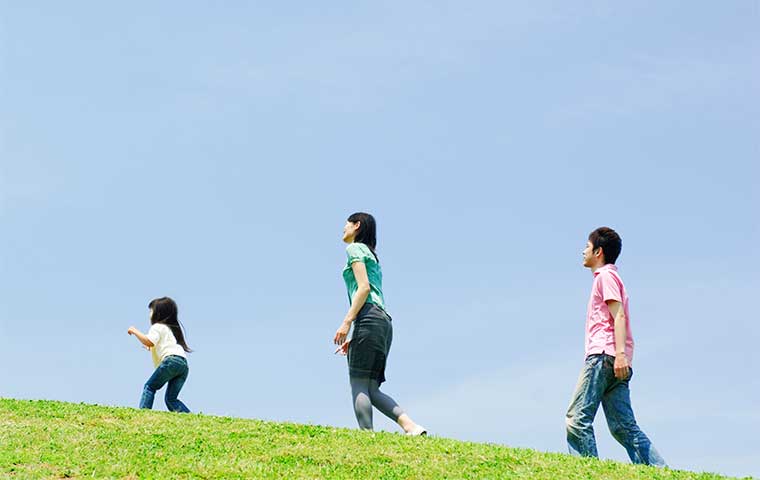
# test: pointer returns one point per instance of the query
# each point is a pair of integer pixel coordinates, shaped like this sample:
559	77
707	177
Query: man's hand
622	366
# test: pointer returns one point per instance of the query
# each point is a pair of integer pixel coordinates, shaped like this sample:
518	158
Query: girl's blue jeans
597	384
172	370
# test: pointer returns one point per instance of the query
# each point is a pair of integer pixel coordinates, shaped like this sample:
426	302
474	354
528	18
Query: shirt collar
608	266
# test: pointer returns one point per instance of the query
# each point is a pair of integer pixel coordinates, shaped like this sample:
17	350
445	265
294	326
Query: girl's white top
164	343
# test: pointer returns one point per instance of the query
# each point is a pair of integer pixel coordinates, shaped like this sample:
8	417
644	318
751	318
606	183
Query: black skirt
370	344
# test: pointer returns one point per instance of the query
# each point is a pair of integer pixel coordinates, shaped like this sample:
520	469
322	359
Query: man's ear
598	252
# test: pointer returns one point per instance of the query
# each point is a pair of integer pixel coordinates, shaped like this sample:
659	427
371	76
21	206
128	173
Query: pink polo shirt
600	326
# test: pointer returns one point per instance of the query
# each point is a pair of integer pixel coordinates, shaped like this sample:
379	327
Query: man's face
589	258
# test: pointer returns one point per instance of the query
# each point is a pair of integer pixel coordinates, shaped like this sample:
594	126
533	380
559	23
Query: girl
166	343
370	343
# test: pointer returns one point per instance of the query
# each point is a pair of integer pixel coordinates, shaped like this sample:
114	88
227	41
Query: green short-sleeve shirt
359	252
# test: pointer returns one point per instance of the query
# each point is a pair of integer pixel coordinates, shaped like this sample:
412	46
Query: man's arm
622	364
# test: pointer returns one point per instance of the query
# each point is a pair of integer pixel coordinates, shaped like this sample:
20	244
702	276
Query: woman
368	347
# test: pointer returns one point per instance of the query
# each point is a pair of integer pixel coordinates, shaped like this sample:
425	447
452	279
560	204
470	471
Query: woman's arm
357	302
143	339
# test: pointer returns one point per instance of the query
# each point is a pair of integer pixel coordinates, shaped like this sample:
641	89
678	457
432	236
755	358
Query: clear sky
212	152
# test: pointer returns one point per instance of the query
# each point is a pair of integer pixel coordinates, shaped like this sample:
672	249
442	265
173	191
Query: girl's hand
343	348
342	333
131	330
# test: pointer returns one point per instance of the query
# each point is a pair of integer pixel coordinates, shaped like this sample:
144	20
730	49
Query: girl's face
349	231
150	315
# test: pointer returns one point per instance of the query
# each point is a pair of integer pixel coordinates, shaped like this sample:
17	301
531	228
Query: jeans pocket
594	359
609	361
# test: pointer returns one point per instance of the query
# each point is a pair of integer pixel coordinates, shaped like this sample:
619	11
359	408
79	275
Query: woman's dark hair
165	311
367	233
609	241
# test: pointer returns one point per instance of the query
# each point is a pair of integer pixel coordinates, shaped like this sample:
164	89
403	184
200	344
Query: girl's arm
143	339
357	302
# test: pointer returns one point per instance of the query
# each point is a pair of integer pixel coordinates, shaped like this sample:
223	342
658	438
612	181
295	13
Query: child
166	343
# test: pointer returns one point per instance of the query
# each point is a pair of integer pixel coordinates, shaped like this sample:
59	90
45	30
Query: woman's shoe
418	431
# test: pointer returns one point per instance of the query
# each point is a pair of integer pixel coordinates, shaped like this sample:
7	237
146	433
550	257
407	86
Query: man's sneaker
418	431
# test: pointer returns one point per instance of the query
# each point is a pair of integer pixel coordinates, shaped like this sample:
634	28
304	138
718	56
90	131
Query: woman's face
150	315
349	231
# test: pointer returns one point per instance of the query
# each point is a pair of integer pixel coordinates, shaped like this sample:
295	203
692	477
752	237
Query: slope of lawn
46	439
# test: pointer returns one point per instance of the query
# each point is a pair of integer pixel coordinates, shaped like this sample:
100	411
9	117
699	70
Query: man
609	353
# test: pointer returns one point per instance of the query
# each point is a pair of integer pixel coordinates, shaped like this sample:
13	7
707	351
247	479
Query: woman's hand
343	348
342	333
131	330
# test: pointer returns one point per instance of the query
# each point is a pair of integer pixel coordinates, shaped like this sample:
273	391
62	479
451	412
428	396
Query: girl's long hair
367	233
165	311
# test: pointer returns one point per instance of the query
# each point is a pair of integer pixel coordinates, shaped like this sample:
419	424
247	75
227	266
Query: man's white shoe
417	431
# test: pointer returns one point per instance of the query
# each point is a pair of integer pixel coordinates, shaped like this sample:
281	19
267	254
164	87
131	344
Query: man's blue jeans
173	369
597	384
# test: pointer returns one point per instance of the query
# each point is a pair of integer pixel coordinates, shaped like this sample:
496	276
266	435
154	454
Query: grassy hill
44	439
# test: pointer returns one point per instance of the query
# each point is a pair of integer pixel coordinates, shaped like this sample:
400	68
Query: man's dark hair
609	241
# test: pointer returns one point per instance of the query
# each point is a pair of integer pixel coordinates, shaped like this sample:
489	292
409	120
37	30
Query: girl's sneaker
418	431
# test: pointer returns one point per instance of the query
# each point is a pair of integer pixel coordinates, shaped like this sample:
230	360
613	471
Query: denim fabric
597	384
173	369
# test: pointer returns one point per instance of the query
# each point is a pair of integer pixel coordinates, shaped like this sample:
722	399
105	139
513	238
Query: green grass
44	439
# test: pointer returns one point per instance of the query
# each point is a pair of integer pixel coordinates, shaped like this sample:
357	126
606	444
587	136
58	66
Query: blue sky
213	153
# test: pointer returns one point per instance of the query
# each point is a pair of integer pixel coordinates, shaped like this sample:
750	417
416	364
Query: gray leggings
366	393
